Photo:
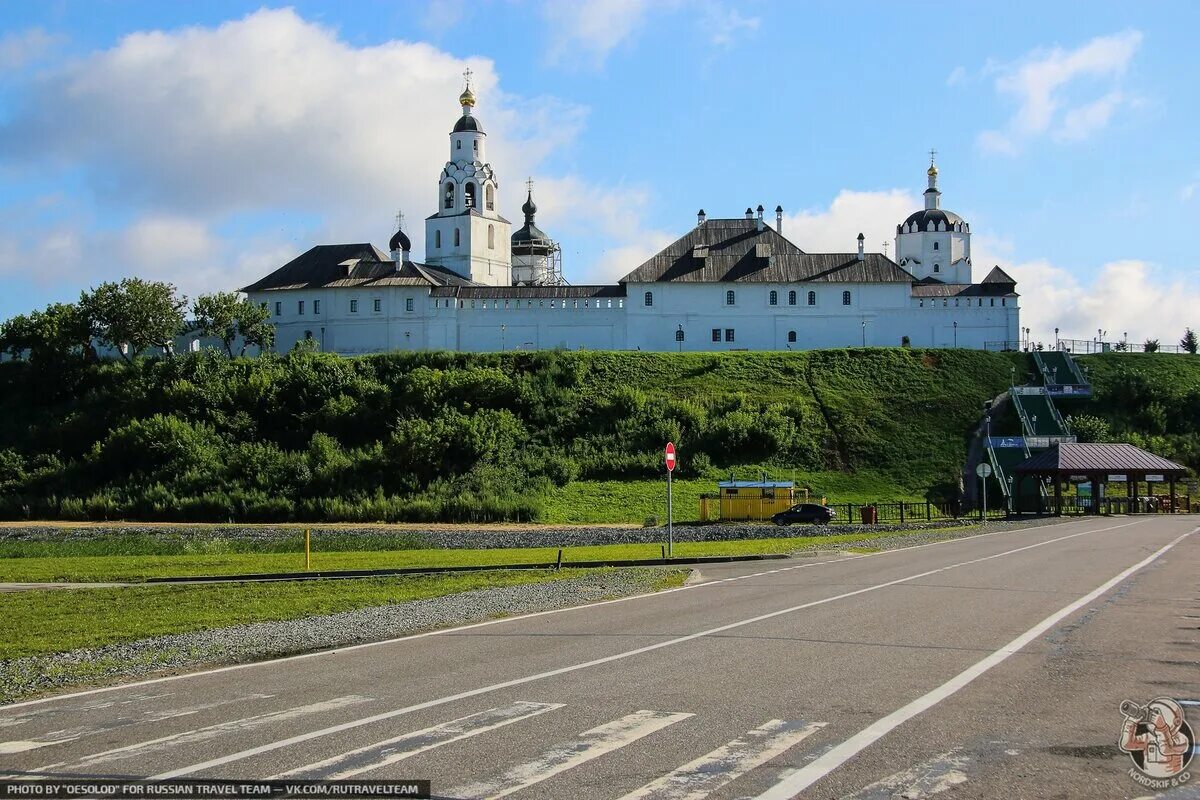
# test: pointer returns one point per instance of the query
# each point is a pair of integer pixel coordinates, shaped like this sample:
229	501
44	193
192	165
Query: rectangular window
729	334
278	308
408	304
716	334
316	306
300	307
378	305
353	306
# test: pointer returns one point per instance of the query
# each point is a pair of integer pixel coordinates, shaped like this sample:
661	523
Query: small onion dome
861	237
467	98
529	208
932	170
778	209
399	242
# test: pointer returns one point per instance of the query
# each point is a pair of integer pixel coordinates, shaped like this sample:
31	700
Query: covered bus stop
1099	465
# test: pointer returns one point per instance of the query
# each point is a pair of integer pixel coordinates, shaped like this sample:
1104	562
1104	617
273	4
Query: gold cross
932	155
467	75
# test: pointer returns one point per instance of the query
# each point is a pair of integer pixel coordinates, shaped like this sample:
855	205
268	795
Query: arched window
437	240
791	337
649	298
774	298
491	237
792	297
846	298
470	196
457	238
812	298
937	267
490	195
458	145
475	143
729	297
449	202
935	245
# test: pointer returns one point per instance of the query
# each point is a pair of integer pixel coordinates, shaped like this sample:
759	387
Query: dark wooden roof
1066	457
350	265
527	292
735	250
963	290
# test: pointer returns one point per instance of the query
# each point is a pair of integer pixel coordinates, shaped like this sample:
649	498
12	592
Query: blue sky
207	143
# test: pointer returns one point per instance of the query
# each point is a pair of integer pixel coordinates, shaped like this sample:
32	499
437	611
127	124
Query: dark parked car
805	512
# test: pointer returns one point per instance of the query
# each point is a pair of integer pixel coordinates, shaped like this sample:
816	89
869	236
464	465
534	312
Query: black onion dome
530	239
399	242
928	219
529	208
467	123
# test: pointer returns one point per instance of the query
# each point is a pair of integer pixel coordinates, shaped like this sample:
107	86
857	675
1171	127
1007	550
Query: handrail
1043	370
1026	426
1001	478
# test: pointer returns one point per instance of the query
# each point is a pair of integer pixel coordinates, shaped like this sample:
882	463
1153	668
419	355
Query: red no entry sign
670	456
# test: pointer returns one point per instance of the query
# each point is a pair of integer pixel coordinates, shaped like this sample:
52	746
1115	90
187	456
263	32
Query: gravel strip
465	537
22	677
901	541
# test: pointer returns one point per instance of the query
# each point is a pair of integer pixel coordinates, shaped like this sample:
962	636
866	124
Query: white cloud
592	28
727	25
1047	86
835	229
198	135
21	48
957	76
1188	190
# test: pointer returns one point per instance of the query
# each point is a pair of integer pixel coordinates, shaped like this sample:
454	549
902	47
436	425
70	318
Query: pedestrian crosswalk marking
590	745
389	751
700	778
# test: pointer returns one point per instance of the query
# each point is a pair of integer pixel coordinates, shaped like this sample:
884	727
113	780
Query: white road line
562	757
304	737
505	620
142	749
73	734
94	705
700	778
389	751
796	782
939	774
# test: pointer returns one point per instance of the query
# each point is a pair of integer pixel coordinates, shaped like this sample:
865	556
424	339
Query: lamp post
1012	373
679	337
503	328
956	333
1010	494
1033	423
864	333
1056	345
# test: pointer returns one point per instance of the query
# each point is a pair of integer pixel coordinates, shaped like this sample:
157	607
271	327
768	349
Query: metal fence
1085	346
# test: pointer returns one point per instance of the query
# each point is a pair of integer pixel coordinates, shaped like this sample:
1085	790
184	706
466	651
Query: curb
373	573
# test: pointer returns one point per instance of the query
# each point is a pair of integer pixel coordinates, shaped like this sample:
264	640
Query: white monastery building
727	284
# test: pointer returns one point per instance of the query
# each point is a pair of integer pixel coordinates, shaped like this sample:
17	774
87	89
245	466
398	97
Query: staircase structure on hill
1042	424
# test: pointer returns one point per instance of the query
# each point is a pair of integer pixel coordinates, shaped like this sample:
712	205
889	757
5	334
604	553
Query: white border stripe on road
304	737
796	782
517	618
562	757
389	751
698	779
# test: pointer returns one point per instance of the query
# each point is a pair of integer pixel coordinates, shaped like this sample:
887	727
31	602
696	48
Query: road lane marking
73	734
389	751
562	757
209	732
939	774
796	782
531	615
94	705
304	737
698	779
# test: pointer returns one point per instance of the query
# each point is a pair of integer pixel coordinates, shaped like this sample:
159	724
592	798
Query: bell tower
467	235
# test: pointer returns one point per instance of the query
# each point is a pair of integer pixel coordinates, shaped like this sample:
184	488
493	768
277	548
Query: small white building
727	284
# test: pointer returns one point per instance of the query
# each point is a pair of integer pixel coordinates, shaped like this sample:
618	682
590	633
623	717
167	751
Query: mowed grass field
135	558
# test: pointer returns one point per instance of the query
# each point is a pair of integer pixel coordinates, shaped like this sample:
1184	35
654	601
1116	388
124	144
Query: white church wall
541	324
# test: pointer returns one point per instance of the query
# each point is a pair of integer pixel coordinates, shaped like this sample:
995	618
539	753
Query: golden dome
467	98
932	170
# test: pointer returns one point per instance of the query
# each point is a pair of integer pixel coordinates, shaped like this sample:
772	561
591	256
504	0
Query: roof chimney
700	217
749	213
760	219
861	239
779	219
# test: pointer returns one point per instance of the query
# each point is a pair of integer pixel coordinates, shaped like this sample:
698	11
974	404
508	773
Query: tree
135	313
1151	346
226	316
1188	342
1089	428
59	335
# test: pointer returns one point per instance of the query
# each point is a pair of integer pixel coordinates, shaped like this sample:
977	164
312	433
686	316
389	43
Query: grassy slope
55	621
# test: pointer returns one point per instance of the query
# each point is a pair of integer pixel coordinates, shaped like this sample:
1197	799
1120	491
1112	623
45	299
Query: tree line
133	317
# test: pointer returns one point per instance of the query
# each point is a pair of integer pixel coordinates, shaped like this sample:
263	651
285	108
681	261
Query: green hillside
550	436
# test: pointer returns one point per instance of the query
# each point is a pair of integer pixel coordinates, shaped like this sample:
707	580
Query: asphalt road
984	667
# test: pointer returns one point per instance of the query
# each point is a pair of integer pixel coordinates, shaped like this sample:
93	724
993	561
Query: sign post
669	457
984	471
